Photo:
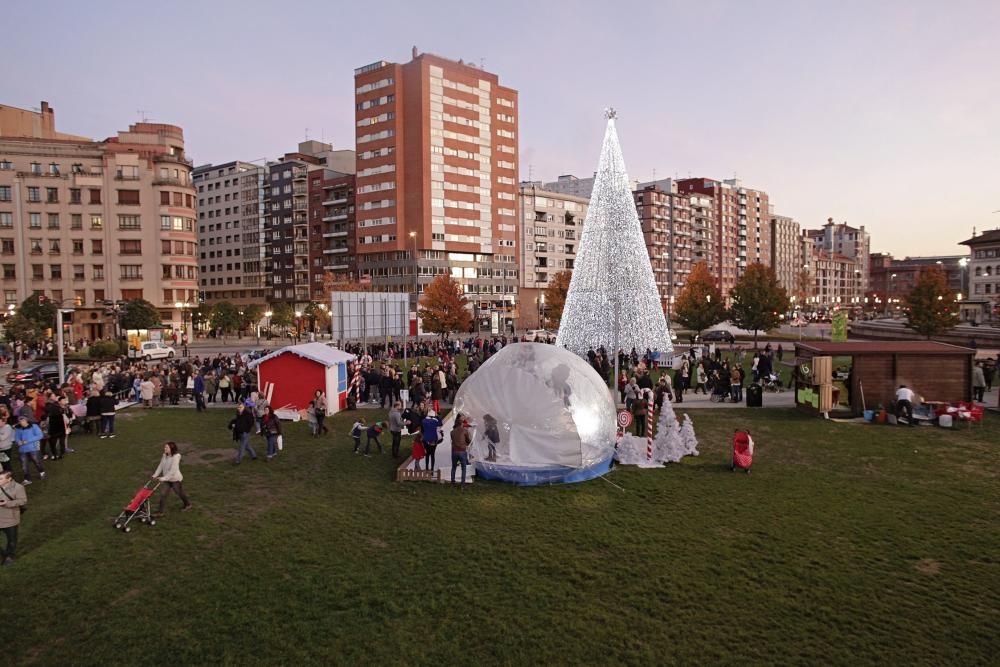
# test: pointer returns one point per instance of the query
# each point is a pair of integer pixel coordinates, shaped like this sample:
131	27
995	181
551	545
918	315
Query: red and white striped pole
650	406
356	383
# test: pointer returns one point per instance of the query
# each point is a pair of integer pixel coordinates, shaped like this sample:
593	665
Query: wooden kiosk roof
882	347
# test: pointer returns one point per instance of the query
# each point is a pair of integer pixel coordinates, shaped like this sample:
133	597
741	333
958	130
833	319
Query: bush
103	349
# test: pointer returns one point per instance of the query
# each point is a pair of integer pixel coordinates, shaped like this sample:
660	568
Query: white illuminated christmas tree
612	300
668	447
688	439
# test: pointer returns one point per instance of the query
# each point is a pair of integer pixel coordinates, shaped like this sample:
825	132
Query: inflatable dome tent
538	414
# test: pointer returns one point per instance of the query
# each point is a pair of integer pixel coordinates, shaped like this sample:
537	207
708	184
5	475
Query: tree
19	328
758	301
282	315
555	298
201	315
700	305
803	285
225	317
251	315
335	282
443	307
40	311
139	314
931	307
318	316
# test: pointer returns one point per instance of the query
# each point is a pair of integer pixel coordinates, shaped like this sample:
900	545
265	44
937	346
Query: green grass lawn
848	544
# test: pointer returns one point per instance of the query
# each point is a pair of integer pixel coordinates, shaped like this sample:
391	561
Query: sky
883	114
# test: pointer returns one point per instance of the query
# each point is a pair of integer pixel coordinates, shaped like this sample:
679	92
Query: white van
152	349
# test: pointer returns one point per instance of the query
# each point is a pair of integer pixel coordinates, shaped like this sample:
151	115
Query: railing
167	157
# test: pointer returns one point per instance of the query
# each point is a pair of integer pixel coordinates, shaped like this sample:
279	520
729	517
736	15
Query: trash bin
755	396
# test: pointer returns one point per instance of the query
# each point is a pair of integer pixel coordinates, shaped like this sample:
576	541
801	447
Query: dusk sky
883	114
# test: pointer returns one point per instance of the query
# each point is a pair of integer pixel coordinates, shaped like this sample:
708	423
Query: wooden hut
935	371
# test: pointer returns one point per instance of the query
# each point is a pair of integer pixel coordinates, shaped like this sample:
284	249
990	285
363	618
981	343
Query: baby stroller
772	383
138	508
742	451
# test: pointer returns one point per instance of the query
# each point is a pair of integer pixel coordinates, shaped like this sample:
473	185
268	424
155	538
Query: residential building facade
332	237
983	276
550	231
665	216
786	252
842	239
741	225
229	238
91	224
836	279
437	178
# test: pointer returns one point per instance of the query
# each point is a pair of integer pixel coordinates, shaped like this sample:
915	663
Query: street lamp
267	314
416	298
298	324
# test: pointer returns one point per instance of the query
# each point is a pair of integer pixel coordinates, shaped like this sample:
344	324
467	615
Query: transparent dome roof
533	404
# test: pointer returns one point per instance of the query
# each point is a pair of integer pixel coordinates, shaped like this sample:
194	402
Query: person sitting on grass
26	437
168	473
356	430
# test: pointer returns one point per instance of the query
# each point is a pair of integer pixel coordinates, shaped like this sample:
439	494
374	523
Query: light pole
59	342
416	299
298	324
267	314
892	290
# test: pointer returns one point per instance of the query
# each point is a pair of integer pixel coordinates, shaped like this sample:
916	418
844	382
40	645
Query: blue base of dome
541	475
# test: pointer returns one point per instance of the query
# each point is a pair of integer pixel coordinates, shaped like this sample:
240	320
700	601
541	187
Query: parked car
718	335
34	375
150	350
532	335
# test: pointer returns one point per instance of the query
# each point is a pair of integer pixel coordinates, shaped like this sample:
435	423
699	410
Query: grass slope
847	544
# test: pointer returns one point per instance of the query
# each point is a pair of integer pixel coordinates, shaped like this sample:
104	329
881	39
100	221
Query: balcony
169	180
335	267
175	159
333	235
334	218
335	251
334	202
300	174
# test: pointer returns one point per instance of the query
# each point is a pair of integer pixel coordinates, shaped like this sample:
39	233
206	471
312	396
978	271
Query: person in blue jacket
27	437
199	392
430	428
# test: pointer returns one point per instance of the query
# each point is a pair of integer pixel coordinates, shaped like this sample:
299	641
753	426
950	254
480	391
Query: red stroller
138	508
742	451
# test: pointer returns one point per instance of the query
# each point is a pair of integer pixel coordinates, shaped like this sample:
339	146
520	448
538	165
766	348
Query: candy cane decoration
650	406
356	384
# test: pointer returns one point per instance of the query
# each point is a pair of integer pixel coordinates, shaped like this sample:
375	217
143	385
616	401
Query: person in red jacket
418	452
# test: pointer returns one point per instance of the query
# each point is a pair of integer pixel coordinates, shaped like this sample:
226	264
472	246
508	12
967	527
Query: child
356	431
311	418
418	451
373	433
491	436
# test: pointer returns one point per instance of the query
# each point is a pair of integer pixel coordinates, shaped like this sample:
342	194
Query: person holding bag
13	503
271	428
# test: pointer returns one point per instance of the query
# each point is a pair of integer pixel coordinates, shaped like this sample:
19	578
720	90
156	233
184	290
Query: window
96	222
75	221
164	222
95	195
131	294
37	272
7	246
34	194
55	270
34	221
8	272
79	297
131	272
5	193
6	220
127	173
165	273
77	168
6	165
129	247
128	197
53	169
98	272
53	221
128	222
77	246
98	296
52	195
36	168
74	196
54	247
97	247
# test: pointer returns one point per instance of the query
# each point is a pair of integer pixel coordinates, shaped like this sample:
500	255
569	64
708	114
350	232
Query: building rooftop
992	236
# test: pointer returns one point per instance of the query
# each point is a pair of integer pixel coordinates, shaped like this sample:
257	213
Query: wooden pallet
404	474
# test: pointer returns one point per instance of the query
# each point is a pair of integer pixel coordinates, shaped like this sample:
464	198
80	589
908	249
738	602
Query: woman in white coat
168	473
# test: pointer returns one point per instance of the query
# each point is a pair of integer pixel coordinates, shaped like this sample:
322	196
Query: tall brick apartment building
437	178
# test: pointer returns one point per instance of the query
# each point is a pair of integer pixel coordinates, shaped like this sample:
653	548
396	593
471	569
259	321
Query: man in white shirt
904	401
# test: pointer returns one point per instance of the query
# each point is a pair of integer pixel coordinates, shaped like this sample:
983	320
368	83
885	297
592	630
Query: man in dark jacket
93	411
242	425
107	404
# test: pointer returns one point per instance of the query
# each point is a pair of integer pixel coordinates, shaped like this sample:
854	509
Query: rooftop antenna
482	63
307	134
531	172
654	173
143	115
